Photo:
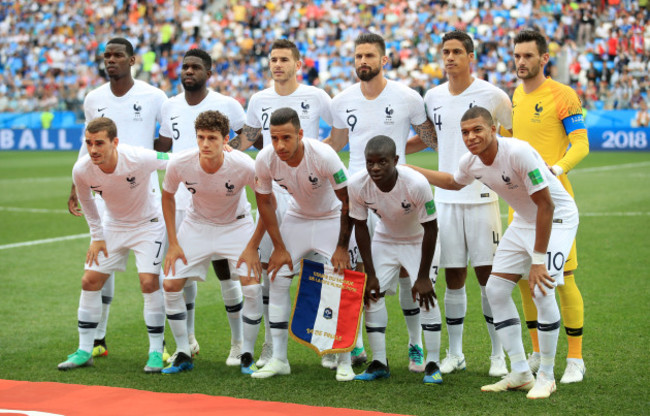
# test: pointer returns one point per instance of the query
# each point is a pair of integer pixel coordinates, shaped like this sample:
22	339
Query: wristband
557	170
538	258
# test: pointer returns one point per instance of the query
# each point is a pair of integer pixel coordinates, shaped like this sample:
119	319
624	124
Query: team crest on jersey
230	189
305	109
406	206
132	181
537	116
507	181
315	183
137	108
389	115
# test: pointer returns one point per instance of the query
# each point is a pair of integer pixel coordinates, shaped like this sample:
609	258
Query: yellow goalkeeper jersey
550	118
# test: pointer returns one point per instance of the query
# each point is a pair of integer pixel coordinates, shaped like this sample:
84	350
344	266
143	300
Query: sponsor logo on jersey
174	117
266	109
349	110
99	110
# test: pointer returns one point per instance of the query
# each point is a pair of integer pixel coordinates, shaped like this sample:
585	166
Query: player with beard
177	132
378	106
135	107
311	104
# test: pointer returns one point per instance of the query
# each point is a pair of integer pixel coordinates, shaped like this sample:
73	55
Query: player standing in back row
311	104
134	106
378	106
469	220
177	132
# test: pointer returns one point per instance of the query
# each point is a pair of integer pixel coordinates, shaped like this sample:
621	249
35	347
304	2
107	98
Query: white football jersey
311	183
217	198
400	211
129	202
517	172
309	102
135	114
178	117
178	124
445	111
391	114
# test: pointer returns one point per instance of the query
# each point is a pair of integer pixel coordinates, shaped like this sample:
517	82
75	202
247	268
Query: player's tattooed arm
427	133
246	138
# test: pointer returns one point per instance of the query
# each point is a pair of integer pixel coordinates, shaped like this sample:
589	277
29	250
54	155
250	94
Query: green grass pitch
39	288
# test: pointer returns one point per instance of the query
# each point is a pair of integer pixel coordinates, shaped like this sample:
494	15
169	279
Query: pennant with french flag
327	308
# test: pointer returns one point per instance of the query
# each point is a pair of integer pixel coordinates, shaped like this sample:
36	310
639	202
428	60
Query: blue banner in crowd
41	139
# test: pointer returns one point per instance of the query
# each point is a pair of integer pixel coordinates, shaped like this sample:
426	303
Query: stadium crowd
50	51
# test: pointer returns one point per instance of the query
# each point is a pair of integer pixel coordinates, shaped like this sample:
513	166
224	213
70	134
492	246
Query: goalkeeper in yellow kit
549	116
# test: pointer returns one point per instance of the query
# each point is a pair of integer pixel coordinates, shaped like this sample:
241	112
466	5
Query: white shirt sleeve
358	211
424	197
172	178
326	105
238	116
462	175
417	111
530	166
251	118
262	174
335	170
503	113
88	205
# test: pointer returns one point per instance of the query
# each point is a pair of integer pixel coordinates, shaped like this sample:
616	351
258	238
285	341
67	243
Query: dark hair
532	35
286	44
373	39
459	35
478	111
103	124
381	144
121	41
212	120
201	54
285	115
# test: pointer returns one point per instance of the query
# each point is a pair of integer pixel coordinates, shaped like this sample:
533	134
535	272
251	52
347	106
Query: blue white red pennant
327	308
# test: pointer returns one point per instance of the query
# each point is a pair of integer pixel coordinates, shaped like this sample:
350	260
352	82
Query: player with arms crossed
548	115
177	133
134	106
311	104
132	221
405	236
316	220
535	245
470	224
374	106
218	223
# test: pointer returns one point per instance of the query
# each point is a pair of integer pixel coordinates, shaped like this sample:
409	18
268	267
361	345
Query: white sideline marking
35	210
45	241
611	167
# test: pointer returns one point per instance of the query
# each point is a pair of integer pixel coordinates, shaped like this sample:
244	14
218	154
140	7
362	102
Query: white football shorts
203	242
516	248
468	232
147	243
